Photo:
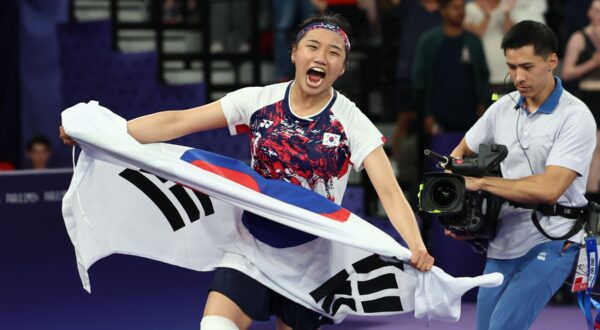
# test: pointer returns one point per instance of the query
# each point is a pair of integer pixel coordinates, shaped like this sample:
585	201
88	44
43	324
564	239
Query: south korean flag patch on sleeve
331	140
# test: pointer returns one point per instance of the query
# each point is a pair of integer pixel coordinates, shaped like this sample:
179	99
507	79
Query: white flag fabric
184	206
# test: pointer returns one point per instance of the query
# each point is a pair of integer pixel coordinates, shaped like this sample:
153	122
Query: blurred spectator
230	26
575	15
358	12
6	166
370	7
39	151
450	75
287	14
414	18
490	19
533	10
174	11
582	63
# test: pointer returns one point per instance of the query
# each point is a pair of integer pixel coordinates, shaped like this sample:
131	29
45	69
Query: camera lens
443	193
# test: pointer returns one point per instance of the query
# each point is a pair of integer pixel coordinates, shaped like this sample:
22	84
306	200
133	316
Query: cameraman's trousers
529	283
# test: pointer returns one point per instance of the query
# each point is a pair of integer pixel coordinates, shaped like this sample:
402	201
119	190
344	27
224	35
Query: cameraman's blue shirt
561	132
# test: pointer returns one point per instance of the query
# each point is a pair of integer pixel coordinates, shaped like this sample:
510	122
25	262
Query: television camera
472	213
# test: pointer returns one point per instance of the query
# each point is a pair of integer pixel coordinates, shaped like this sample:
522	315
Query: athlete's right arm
168	125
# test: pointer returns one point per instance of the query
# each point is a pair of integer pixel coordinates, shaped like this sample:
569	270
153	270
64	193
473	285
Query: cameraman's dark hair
38	139
531	33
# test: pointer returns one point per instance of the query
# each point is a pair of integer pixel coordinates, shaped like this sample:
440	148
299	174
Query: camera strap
577	213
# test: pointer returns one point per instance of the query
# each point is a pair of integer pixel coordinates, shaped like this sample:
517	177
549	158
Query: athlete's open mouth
315	76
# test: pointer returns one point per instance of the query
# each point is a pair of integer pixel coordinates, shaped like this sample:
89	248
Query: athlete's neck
306	105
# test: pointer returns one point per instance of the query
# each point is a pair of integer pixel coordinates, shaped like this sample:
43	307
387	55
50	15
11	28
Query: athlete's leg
280	325
219	304
217	322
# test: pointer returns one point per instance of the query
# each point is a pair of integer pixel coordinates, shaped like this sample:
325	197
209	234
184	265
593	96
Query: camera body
461	211
445	195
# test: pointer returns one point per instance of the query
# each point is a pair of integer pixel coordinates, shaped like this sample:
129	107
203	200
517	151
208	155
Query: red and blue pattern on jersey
312	153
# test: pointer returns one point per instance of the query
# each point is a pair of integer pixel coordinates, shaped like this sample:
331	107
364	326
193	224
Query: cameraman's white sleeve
483	130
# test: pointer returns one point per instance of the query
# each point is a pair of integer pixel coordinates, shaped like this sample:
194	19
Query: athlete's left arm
396	206
543	188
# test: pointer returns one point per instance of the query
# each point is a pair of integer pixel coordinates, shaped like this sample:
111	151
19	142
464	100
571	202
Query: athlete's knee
217	322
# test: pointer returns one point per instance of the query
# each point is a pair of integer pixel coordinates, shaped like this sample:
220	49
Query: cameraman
550	135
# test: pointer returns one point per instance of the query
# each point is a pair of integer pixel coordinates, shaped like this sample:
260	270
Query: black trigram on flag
163	202
337	291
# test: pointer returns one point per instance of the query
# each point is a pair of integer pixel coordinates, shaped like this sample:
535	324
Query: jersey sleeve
363	137
575	143
238	106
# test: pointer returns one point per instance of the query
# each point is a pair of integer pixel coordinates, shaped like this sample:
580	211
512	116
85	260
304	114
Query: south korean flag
331	140
373	285
183	206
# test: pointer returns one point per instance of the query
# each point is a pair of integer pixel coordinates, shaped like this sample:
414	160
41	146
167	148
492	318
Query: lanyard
584	297
591	248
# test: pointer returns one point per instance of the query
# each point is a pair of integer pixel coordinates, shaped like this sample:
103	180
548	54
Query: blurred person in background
176	11
490	19
39	151
230	26
6	166
415	17
581	64
450	75
286	14
364	15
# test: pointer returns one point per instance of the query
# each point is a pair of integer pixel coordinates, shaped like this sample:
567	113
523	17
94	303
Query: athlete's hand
65	138
421	259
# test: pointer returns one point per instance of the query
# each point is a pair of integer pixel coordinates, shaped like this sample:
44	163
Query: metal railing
157	24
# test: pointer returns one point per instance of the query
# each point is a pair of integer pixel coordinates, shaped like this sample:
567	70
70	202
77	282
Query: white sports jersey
312	152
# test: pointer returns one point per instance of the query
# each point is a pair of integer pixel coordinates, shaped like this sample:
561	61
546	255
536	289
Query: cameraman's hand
457	236
65	138
421	259
473	184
